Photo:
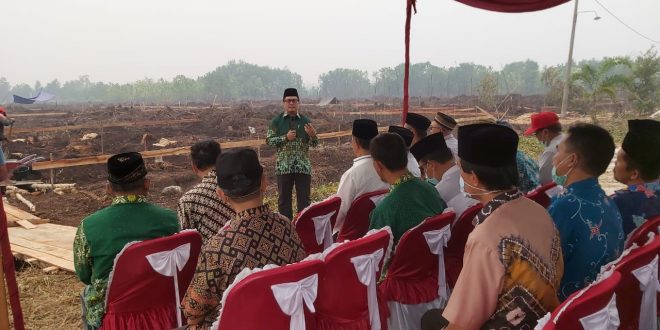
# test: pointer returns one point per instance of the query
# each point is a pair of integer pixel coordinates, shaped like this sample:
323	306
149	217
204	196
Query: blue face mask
560	180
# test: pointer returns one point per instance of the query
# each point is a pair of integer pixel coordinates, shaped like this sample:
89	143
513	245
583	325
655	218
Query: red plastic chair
412	275
342	302
540	194
583	303
628	294
641	234
314	224
138	296
251	304
357	219
456	246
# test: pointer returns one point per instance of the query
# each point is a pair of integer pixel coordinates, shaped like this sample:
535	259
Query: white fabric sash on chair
604	319
167	263
291	296
647	276
323	229
366	267
437	241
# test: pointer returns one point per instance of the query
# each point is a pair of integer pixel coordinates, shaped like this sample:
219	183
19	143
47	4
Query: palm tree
602	79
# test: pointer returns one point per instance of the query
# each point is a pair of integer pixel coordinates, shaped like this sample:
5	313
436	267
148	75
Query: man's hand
292	135
311	131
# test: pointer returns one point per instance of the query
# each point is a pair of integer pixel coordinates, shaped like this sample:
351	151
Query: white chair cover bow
291	297
604	319
323	229
366	267
647	276
167	263
437	241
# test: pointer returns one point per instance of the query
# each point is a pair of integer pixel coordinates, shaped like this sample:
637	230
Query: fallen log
26	202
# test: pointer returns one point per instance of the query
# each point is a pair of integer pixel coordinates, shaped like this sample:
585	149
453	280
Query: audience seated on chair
418	124
407	136
410	200
512	265
200	208
255	238
361	178
589	222
438	163
102	235
638	167
547	129
528	169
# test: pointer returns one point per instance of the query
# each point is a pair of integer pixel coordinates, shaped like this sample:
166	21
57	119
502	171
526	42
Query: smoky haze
124	41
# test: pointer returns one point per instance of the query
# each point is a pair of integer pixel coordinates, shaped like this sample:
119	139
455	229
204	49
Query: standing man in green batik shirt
410	200
102	235
292	134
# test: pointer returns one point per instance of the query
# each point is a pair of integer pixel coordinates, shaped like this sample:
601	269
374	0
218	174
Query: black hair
127	187
494	178
391	150
422	133
441	156
594	146
362	143
204	154
647	173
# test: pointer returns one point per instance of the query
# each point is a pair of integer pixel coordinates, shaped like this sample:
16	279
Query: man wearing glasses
292	134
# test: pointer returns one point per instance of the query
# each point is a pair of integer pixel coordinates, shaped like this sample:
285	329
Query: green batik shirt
102	235
292	156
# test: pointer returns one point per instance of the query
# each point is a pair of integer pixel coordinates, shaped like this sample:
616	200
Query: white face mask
462	184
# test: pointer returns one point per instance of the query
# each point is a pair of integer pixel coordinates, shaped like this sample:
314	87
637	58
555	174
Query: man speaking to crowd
292	134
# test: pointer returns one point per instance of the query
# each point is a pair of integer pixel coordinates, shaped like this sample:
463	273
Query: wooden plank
26	224
103	125
14	223
39	114
51	234
61	263
100	159
18	213
66	254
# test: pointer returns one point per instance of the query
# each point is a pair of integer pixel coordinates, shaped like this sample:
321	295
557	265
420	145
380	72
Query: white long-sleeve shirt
413	166
545	160
450	192
452	144
360	179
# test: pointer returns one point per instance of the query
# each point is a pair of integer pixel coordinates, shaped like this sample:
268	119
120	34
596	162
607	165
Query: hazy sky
127	40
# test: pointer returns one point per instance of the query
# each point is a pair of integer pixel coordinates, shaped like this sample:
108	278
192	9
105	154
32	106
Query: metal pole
567	84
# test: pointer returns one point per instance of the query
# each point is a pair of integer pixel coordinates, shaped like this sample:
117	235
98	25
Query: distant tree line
636	80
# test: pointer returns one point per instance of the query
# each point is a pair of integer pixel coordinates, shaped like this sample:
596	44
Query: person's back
407	205
591	232
101	236
256	237
528	263
200	208
410	200
638	167
129	219
589	222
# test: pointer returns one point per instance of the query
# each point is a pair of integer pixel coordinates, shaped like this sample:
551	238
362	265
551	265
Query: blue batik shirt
528	172
637	204
590	229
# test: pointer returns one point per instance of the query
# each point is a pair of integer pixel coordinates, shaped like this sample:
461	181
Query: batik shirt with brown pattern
256	237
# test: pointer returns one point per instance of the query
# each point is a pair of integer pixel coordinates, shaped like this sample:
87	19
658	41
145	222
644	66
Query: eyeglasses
291	101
